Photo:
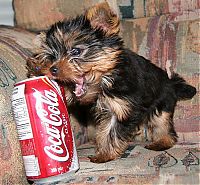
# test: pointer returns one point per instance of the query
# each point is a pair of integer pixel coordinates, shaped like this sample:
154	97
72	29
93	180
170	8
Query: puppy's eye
76	51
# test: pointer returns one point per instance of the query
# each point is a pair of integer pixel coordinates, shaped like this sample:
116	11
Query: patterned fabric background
149	8
38	15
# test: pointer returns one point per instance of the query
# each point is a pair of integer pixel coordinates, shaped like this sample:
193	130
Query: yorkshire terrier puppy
126	93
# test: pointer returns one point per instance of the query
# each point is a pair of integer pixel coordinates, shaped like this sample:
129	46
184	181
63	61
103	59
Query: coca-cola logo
47	110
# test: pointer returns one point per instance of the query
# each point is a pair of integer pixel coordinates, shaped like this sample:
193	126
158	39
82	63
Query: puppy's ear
33	66
102	17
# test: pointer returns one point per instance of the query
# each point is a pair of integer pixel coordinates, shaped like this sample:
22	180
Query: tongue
79	91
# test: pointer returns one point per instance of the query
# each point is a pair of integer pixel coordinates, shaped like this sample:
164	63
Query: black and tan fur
126	93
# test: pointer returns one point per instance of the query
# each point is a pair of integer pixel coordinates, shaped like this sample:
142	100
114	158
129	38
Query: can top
30	79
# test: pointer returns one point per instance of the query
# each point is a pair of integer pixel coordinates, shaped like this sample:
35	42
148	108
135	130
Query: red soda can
46	139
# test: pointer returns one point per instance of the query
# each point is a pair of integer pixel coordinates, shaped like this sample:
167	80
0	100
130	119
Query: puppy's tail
183	90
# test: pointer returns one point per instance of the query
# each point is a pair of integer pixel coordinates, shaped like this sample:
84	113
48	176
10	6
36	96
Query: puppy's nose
54	71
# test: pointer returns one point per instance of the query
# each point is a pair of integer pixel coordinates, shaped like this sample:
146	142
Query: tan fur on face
95	72
67	69
93	69
103	61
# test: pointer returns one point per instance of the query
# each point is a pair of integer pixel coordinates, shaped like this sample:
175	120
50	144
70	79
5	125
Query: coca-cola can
44	132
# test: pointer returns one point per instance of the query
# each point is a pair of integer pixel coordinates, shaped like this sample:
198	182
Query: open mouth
80	87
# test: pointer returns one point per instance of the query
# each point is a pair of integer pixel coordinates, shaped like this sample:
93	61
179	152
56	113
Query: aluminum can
44	131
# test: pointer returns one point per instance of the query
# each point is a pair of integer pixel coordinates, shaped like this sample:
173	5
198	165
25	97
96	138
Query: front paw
100	158
93	159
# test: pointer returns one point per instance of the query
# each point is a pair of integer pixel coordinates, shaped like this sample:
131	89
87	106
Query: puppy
126	93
